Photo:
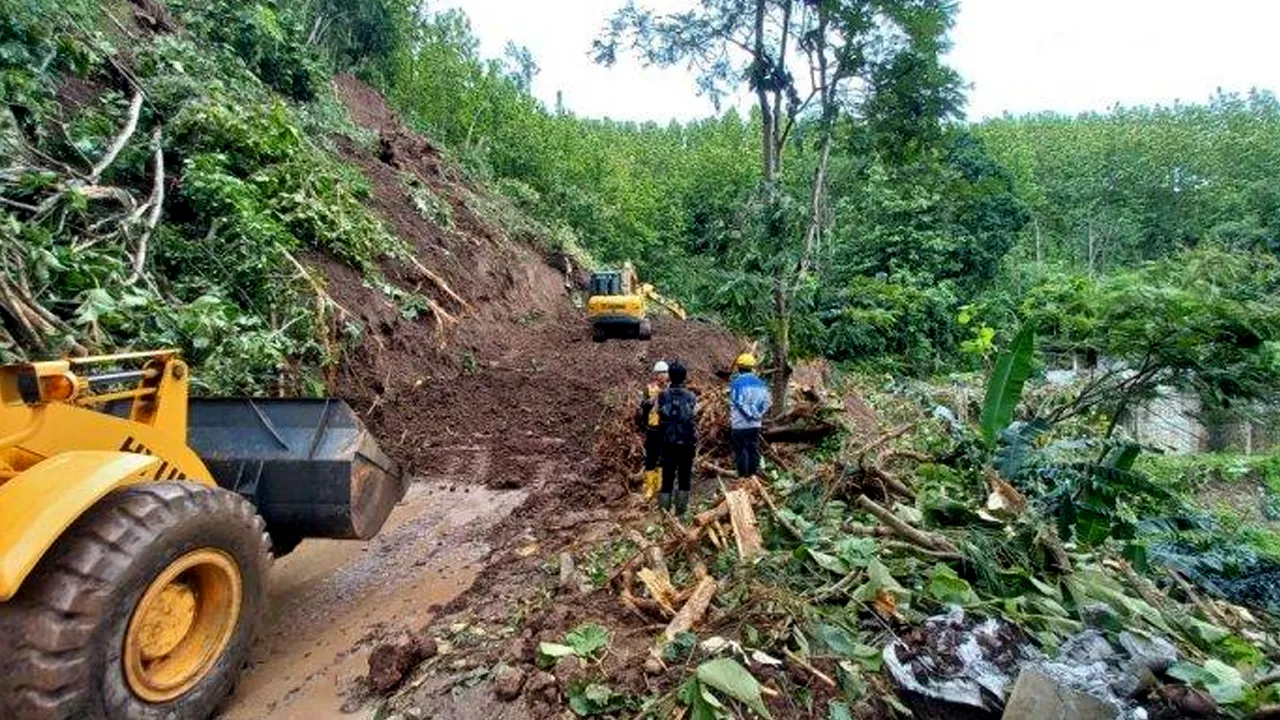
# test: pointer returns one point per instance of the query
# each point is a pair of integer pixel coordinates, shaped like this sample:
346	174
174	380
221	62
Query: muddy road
332	601
502	452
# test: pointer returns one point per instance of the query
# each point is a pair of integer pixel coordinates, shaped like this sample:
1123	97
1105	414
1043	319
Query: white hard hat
660	367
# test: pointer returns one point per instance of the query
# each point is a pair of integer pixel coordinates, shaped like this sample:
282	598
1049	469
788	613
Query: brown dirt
512	397
518	375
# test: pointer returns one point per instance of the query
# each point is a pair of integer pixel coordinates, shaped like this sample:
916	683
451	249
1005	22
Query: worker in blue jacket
749	402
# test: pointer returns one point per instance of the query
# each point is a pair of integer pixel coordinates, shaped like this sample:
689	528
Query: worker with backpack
677	414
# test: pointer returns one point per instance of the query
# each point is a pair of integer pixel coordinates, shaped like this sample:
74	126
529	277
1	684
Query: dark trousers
653	448
677	468
746	451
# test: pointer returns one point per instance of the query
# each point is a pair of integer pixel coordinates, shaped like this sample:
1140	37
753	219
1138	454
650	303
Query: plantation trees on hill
1107	191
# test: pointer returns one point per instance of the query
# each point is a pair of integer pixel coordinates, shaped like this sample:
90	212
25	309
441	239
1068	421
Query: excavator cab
615	308
137	528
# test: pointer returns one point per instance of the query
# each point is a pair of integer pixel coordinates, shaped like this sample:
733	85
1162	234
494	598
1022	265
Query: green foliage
268	36
596	699
431	206
1004	388
1207	320
246	191
726	676
1108	191
587	639
1223	682
948	588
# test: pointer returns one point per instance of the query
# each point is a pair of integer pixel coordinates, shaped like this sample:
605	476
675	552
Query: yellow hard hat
745	361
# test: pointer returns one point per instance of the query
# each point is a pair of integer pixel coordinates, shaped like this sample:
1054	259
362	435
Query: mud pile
509	390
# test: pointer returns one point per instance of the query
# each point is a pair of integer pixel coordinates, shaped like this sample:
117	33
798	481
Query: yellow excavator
618	305
137	528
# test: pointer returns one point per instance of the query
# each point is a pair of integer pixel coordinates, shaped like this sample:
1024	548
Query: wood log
690	614
652	554
644	608
745	530
660	588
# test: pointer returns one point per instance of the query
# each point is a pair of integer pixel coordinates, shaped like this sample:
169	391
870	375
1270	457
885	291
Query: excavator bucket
310	466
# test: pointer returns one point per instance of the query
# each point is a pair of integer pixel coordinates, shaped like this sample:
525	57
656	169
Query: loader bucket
310	466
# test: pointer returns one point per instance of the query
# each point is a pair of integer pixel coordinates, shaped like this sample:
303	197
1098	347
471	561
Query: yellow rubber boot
652	483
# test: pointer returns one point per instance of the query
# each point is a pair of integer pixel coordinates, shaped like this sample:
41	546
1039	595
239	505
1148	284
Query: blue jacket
749	400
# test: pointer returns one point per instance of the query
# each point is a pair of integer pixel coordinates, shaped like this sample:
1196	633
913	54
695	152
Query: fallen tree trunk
801	432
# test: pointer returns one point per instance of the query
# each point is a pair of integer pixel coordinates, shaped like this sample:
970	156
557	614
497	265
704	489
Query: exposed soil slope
511	396
518	373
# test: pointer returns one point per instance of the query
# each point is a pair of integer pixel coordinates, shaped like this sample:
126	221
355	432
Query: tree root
822	677
438	281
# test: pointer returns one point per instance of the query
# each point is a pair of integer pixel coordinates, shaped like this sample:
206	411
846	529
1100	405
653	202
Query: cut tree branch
928	541
155	203
131	124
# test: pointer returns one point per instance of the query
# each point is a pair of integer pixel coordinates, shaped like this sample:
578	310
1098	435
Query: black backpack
677	407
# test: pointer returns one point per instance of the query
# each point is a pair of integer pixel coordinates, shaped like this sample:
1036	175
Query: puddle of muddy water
332	600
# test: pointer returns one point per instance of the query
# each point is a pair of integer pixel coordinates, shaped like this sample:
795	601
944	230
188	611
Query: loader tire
645	331
144	609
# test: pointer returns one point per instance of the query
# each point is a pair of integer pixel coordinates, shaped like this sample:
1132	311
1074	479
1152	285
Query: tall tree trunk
817	198
781	346
768	118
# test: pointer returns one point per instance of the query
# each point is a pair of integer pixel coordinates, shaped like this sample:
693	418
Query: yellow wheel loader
137	528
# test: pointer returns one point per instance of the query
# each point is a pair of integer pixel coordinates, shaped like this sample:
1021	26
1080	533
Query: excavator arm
648	292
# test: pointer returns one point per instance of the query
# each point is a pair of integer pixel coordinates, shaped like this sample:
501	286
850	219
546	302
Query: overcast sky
1017	55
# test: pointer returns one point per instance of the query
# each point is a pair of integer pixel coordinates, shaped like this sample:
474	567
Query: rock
653	666
543	687
1086	648
569	670
519	650
1037	696
391	660
508	683
1134	682
1154	653
569	580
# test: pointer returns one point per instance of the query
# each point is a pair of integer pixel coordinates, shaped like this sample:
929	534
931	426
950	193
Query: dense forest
881	229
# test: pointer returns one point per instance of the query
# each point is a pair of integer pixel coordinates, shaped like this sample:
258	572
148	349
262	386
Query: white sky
1017	55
